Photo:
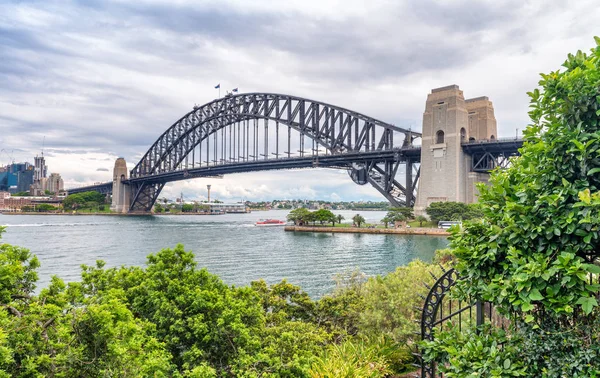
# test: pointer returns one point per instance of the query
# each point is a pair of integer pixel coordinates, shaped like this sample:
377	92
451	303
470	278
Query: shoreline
356	230
115	214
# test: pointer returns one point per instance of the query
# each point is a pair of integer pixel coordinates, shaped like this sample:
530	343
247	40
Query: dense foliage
172	319
398	214
303	216
453	211
85	200
535	254
41	208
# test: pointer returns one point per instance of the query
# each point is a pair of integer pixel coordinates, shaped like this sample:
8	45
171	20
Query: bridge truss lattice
262	131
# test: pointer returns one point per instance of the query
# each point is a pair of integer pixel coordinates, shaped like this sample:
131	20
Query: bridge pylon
449	121
121	193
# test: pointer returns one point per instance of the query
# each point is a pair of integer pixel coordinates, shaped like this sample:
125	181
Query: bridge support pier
449	121
121	193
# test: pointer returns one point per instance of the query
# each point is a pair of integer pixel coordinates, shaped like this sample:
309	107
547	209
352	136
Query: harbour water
228	245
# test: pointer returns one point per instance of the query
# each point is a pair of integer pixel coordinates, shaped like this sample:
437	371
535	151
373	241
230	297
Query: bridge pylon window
463	134
492	137
439	137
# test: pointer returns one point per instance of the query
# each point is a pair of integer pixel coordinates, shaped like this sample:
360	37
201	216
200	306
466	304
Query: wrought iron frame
432	314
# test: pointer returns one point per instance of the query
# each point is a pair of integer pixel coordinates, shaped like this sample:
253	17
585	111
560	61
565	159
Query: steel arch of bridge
340	131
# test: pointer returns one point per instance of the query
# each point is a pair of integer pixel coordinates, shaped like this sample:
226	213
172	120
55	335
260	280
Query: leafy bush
453	211
390	302
171	318
62	333
534	255
83	200
351	359
467	353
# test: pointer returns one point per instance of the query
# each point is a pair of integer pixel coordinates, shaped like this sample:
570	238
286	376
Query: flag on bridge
218	86
235	90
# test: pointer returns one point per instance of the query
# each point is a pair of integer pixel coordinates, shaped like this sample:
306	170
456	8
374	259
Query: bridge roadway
341	161
494	149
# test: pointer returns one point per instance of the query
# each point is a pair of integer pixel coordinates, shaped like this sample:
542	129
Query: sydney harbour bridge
264	131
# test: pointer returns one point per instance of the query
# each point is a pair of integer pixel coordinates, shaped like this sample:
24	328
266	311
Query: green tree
534	255
83	200
386	220
21	194
358	220
61	332
187	208
397	214
421	219
44	207
340	218
324	215
299	216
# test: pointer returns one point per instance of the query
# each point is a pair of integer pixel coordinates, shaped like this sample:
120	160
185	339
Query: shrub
351	359
533	255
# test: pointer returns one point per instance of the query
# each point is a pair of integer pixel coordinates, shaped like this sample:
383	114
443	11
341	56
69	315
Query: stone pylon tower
121	195
448	121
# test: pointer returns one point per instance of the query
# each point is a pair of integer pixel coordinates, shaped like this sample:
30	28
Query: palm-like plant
358	220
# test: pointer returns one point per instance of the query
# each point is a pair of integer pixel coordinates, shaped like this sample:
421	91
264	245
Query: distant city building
41	169
24	177
227	207
12	204
24	181
54	183
16	177
39	185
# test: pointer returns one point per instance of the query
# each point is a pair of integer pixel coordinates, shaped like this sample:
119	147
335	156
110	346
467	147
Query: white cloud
109	77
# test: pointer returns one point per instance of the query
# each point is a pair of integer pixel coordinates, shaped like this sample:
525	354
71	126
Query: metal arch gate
439	310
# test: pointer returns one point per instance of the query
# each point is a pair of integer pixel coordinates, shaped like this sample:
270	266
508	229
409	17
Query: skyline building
41	170
54	183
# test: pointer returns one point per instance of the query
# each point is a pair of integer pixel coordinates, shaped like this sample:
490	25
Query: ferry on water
270	222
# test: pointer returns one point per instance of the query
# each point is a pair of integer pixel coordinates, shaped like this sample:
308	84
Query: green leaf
591	268
529	318
594	170
579	145
535	295
597	39
587	304
526	307
585	196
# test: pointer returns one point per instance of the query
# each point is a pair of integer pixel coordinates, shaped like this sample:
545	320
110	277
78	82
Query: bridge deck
499	146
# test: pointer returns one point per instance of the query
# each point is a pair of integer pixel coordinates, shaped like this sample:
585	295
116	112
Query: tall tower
121	196
208	188
448	121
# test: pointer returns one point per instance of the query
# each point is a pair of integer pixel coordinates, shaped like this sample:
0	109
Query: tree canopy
85	199
174	319
358	220
535	254
453	211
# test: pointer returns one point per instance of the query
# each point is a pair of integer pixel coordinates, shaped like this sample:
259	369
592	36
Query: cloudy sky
102	79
